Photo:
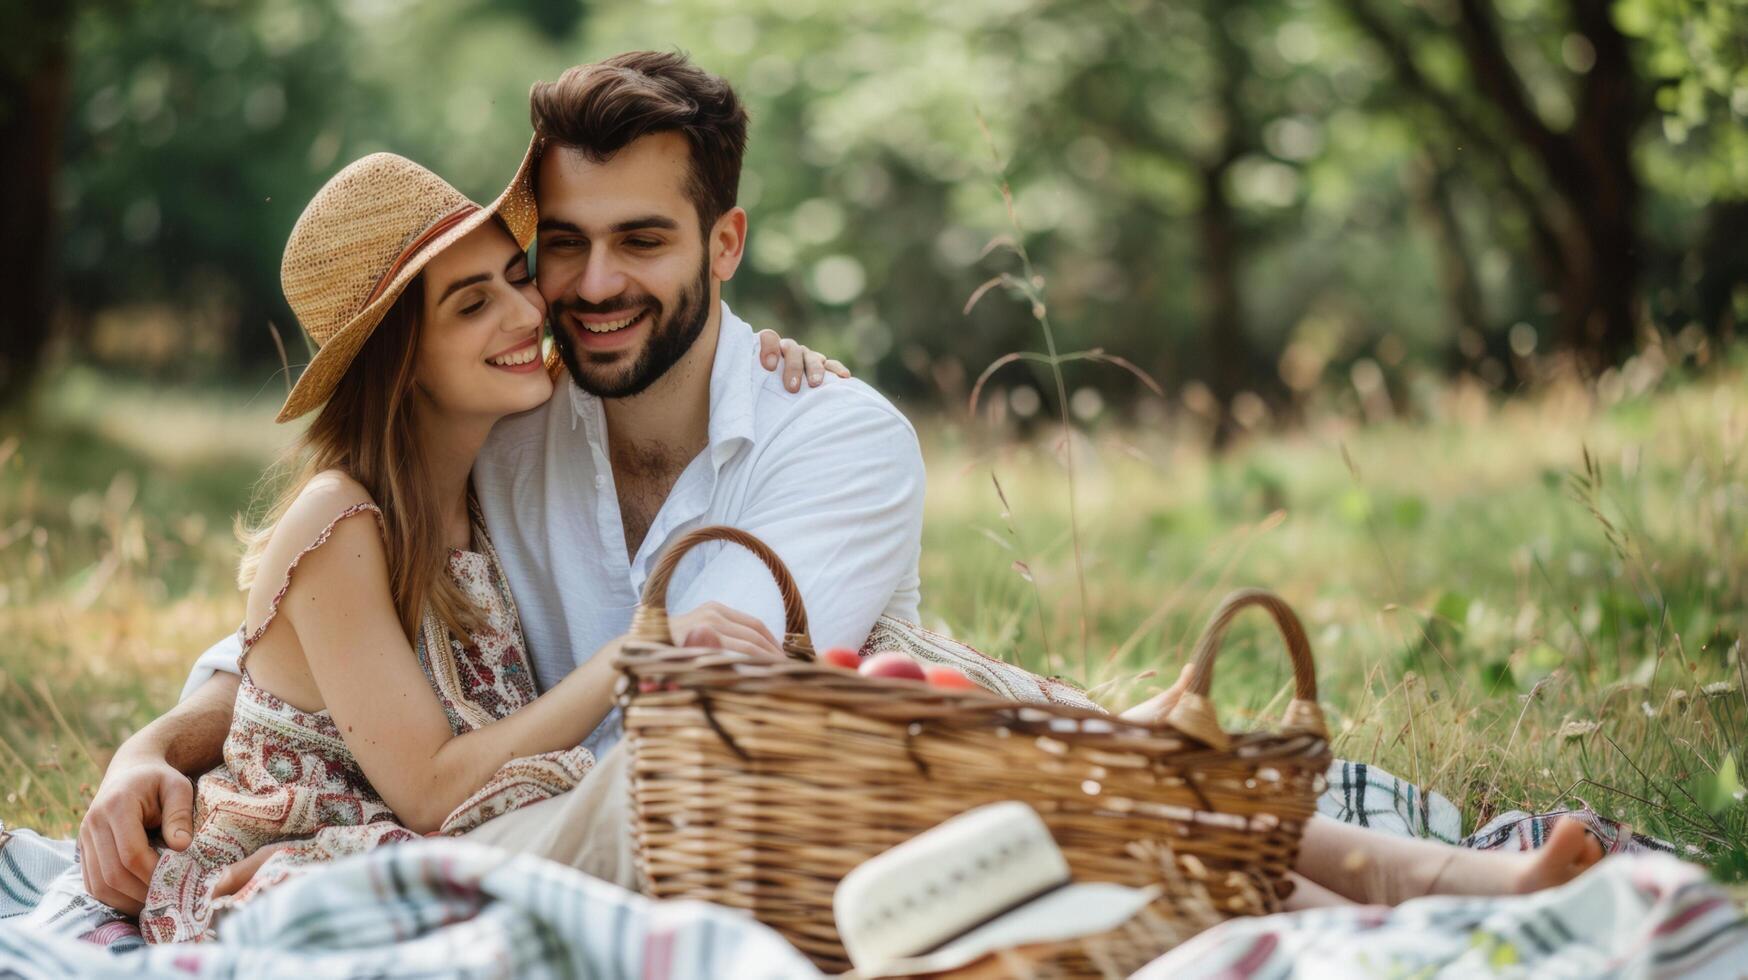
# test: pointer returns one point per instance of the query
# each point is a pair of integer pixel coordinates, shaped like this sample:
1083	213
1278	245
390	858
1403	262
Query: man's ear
727	244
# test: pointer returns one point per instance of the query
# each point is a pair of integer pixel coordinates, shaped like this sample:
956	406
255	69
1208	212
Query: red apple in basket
948	678
842	657
893	664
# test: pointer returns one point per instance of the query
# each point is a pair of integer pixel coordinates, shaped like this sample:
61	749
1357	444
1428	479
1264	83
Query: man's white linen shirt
831	478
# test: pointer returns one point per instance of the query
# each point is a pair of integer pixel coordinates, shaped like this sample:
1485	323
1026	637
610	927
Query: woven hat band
430	234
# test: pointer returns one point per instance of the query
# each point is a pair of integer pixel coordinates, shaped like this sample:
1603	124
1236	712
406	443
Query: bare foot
1154	710
1570	850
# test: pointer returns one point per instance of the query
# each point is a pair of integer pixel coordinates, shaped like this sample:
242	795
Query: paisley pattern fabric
288	777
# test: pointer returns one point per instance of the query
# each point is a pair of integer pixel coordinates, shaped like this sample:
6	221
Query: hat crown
945	881
351	234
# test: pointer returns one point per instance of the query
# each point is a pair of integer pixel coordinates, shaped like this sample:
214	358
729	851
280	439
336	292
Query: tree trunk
33	92
1431	190
1605	195
1723	260
1222	313
1582	214
1588	167
1599	313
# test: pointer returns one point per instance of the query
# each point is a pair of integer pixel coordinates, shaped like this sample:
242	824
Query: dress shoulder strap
251	637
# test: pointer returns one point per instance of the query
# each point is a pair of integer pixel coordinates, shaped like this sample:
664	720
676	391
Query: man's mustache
610	306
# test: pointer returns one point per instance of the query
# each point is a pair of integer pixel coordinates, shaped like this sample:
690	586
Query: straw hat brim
1077	911
332	359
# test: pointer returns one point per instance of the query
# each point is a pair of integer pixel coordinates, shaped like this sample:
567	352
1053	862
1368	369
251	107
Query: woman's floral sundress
288	776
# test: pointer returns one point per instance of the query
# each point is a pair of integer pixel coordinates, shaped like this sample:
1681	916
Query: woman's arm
343	613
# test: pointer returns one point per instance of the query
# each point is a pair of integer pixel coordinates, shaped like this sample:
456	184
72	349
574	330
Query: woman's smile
523	358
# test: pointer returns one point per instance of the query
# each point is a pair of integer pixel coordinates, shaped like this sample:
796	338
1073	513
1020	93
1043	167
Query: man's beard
670	337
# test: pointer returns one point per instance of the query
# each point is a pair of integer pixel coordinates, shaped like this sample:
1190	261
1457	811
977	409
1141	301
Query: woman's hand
716	625
796	360
1156	709
233	878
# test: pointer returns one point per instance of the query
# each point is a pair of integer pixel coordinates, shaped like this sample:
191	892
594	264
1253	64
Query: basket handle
1195	713
649	623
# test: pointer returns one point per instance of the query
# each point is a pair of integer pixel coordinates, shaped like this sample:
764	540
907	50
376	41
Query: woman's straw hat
361	239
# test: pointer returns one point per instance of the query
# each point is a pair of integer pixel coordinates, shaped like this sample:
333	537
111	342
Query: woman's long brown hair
369	431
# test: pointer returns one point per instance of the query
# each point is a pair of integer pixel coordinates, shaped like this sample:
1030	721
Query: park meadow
1523	603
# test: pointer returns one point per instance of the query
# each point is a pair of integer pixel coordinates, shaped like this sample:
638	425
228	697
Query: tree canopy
1243	197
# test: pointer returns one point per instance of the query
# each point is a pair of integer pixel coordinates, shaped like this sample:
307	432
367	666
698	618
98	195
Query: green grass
1522	604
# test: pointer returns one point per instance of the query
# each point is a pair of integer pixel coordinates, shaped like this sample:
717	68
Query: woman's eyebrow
462	284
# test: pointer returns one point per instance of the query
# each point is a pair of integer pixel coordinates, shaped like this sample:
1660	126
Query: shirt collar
734	377
583	405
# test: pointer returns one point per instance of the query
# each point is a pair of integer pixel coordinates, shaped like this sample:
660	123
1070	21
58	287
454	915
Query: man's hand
116	858
732	629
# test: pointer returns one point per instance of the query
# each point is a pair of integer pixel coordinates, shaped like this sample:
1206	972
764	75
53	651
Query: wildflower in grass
1574	730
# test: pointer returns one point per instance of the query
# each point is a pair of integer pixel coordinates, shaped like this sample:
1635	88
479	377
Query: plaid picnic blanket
1371	797
449	908
445	907
440	907
1641	915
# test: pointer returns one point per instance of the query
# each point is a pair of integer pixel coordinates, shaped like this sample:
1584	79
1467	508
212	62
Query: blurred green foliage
1278	196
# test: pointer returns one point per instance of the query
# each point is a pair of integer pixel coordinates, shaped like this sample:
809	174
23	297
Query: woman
385	693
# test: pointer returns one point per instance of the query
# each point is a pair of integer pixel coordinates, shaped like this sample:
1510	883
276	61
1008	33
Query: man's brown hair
598	109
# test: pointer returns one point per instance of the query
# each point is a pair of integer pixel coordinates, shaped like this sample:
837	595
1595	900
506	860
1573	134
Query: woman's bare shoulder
318	515
326	498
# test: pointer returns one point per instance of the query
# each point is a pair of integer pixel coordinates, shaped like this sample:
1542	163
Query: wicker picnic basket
758	784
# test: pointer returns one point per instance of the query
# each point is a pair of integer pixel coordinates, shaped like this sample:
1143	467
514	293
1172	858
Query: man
666	423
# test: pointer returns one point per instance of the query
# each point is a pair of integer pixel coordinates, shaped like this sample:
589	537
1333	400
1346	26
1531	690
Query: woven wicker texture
364	236
759	784
650	621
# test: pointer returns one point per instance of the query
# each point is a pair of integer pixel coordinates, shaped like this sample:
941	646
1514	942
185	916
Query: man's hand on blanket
233	878
716	625
114	855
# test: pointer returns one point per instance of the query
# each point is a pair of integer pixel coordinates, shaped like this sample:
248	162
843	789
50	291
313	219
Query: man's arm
838	493
220	658
148	785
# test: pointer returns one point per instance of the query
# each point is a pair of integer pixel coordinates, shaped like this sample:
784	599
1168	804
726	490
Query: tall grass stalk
1030	286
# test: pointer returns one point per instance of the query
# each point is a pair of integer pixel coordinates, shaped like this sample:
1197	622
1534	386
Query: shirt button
600	481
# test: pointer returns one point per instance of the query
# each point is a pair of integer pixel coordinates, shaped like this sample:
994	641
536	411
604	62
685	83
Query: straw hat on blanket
990	879
364	236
